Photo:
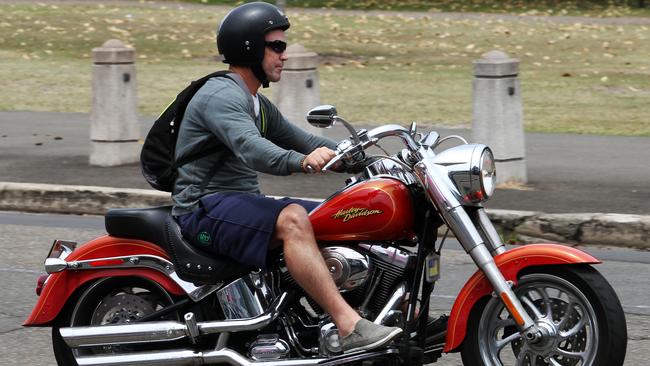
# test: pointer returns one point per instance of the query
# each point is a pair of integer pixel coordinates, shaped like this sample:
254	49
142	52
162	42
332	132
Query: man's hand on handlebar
317	159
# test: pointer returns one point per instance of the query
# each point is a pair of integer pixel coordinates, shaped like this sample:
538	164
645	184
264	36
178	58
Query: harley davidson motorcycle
142	295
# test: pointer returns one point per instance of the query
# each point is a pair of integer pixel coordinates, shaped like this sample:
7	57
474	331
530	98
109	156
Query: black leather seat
195	265
156	225
138	223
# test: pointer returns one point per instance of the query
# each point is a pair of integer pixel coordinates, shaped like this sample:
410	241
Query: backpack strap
264	126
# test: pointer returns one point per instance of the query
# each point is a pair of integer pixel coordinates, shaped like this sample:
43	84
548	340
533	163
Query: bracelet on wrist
302	164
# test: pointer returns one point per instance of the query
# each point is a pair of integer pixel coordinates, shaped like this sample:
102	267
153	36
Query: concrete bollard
298	90
497	119
114	129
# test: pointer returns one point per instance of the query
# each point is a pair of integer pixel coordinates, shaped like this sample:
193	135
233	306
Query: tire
111	300
592	333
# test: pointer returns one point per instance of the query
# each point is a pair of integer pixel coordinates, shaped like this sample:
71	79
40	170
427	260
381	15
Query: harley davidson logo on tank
378	209
354	212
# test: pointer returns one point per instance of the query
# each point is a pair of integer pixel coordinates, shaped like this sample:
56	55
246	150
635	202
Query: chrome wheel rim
561	311
123	304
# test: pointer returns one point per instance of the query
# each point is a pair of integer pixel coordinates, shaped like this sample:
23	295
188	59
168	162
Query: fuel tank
376	209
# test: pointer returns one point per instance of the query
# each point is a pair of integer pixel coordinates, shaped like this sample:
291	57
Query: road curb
582	228
69	199
578	228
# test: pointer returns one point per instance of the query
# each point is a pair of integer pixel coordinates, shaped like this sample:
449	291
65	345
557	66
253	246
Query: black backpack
159	166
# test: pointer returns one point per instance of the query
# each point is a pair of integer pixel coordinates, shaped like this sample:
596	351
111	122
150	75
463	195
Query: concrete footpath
582	189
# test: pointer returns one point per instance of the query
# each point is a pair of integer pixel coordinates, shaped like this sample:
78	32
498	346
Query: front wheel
581	318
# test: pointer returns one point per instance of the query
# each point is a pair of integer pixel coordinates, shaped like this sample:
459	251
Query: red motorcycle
142	295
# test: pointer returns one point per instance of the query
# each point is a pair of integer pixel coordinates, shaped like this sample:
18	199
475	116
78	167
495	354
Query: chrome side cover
246	297
348	268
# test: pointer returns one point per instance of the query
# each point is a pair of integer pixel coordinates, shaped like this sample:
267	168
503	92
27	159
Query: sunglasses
277	46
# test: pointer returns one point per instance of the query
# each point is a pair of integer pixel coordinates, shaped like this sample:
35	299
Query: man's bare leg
308	268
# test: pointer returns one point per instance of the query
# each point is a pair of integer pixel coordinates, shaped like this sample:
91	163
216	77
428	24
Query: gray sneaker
368	335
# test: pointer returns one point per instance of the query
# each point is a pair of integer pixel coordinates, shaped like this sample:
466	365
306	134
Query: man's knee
292	218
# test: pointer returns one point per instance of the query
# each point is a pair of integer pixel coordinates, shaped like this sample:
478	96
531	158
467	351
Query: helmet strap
259	73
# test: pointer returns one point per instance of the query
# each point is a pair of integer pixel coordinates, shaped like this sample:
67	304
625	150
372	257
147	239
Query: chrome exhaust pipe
123	334
165	330
187	357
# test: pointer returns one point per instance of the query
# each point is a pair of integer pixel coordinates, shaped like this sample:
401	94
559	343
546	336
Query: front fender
60	286
510	263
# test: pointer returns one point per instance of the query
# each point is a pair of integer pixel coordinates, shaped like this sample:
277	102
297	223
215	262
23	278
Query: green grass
539	7
576	78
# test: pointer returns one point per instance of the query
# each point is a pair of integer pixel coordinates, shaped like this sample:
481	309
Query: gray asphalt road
567	173
25	239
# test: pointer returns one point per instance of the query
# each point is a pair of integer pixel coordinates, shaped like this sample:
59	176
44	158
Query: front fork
467	233
461	224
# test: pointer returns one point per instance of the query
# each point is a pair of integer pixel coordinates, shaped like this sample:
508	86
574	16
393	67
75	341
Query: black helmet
240	37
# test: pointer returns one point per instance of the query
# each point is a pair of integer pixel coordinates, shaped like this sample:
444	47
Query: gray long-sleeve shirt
222	110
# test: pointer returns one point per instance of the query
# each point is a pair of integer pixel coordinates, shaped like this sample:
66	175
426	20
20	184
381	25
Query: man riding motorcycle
214	196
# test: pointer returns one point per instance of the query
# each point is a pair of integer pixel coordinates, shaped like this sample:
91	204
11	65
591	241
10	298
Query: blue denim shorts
236	225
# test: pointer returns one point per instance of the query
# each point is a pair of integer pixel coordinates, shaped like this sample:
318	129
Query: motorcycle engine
366	276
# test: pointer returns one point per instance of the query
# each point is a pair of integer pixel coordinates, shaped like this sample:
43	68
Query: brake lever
332	162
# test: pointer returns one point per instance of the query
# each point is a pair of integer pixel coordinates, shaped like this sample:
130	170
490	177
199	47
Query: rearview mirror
322	116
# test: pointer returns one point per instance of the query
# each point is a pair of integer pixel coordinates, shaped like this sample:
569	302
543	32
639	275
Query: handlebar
353	152
394	130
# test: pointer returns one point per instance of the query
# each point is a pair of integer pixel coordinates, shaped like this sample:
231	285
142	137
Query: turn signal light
40	283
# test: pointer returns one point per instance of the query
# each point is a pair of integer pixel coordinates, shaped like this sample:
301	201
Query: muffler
186	357
166	330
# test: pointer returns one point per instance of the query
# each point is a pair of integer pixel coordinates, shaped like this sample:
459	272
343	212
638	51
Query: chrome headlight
471	169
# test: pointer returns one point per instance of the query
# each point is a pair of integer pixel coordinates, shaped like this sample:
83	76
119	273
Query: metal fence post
497	118
114	130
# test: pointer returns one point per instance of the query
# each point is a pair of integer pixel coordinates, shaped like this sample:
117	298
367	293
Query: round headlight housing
471	170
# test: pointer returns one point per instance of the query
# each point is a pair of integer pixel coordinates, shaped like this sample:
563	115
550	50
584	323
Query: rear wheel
113	300
581	318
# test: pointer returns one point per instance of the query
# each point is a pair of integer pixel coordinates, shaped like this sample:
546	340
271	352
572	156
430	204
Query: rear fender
510	263
60	286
